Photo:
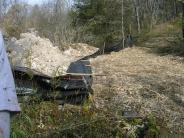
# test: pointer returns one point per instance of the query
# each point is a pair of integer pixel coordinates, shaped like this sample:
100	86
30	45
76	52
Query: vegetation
47	120
96	22
103	22
51	19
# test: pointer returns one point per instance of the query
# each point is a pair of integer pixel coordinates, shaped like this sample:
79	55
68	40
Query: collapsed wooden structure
72	87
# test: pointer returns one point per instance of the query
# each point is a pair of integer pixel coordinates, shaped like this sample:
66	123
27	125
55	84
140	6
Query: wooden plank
88	65
84	74
84	60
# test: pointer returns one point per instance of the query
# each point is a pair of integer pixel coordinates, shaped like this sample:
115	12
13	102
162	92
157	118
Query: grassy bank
46	119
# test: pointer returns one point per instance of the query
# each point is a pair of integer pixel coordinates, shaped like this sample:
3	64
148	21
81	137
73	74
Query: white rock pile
40	54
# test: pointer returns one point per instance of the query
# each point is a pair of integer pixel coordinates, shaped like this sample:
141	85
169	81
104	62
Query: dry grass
165	30
143	82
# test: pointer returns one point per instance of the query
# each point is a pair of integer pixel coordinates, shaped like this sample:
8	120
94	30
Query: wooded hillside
92	21
96	68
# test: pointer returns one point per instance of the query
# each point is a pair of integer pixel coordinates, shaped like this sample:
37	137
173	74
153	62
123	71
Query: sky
32	2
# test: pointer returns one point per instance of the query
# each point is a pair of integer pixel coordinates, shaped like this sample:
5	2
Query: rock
179	98
38	53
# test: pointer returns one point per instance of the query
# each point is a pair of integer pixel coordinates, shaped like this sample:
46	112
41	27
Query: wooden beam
88	65
84	74
183	18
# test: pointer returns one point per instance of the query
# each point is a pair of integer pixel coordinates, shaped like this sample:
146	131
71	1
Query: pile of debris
40	54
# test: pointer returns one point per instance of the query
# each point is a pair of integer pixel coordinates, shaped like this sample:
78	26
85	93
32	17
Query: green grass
46	120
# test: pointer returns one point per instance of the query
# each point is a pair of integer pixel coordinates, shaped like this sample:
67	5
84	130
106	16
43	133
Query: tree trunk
175	8
138	19
122	23
137	15
183	19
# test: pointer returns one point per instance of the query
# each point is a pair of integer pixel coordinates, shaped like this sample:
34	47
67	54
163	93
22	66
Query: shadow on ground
169	87
165	46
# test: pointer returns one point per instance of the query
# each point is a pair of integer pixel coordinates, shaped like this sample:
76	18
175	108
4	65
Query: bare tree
183	18
123	33
136	2
4	4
